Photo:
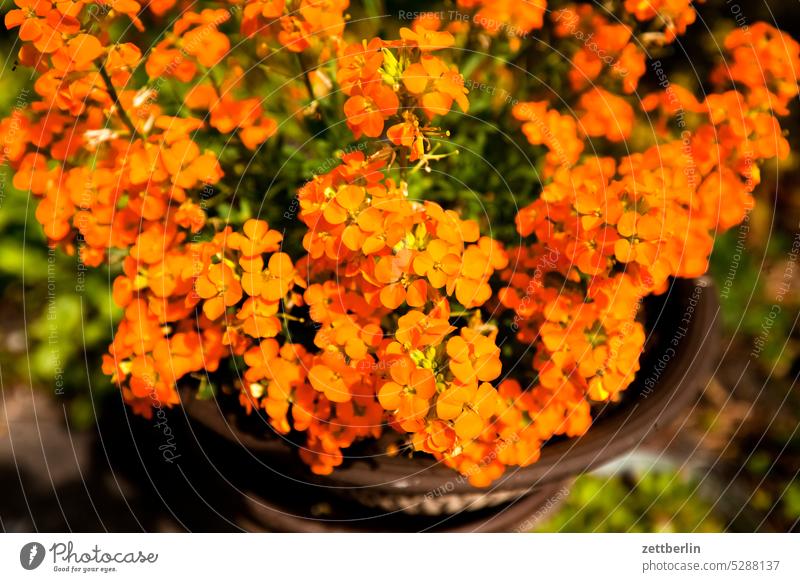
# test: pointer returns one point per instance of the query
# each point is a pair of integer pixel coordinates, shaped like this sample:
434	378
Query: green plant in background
655	501
55	315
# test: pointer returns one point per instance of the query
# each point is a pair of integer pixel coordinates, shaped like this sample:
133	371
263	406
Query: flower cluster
382	271
396	317
118	177
598	48
297	26
609	232
400	85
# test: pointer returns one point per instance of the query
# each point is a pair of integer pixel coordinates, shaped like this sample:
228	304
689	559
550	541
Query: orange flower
40	24
258	316
547	127
257	238
220	289
408	393
393	272
438	264
78	53
473	357
640	236
272	283
435	85
427	39
606	115
507	16
358	66
366	112
332	379
187	166
417	330
409	135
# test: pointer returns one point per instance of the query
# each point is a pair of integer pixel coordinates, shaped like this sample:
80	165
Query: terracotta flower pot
375	492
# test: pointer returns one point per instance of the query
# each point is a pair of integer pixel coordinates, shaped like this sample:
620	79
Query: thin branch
306	78
117	104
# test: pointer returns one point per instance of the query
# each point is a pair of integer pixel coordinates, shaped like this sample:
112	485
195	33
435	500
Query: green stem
287	317
112	92
311	98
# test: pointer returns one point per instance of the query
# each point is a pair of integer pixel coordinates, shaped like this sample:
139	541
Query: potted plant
379	320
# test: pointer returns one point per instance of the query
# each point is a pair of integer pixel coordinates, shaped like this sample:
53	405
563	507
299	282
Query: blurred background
731	464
